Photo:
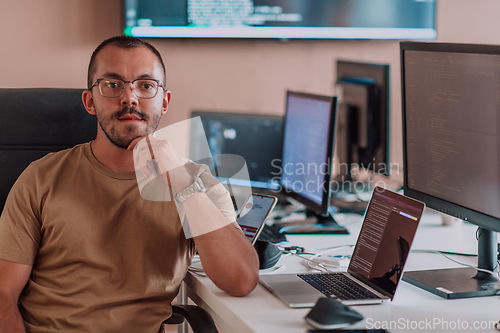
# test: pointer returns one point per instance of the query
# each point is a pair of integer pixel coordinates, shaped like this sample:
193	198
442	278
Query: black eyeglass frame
124	83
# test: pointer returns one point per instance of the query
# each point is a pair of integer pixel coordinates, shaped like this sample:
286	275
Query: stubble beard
122	139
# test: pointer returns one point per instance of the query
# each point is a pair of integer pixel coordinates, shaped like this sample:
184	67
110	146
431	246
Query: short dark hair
124	42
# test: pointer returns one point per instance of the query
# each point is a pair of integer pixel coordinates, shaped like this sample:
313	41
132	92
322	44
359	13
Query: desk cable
446	253
333	263
316	262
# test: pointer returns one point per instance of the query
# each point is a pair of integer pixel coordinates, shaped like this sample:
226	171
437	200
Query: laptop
376	265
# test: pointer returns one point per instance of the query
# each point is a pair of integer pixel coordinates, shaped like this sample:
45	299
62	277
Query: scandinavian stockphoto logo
432	324
309	177
231	170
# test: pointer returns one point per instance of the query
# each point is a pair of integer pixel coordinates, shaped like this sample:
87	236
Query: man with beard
81	250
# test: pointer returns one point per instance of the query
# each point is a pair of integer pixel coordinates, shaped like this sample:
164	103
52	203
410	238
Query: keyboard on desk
338	285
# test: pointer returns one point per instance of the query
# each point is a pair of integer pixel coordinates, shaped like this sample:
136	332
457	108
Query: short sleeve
20	229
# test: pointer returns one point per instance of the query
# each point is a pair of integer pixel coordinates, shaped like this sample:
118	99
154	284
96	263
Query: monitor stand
315	224
463	282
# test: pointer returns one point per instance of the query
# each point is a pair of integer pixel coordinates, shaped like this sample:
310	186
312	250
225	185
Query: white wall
48	44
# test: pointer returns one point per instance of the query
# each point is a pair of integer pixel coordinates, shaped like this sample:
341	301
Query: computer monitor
362	135
308	134
451	151
321	19
255	137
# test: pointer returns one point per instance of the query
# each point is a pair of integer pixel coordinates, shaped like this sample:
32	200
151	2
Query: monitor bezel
321	209
233	114
467	214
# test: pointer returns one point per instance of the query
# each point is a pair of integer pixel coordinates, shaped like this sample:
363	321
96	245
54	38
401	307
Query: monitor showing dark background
326	19
451	150
362	134
255	137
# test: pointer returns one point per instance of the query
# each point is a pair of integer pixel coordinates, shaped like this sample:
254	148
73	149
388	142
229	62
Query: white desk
263	312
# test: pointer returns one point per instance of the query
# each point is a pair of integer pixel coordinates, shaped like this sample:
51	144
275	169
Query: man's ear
167	96
88	101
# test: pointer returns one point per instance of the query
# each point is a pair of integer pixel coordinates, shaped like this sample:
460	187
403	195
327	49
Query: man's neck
113	157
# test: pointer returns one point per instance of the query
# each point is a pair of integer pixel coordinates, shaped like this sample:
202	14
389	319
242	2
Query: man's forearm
11	321
228	258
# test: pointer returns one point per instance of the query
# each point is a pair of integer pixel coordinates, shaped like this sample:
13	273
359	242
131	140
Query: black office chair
36	121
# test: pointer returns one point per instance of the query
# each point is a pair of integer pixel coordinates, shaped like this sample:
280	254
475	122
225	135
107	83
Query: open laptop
377	263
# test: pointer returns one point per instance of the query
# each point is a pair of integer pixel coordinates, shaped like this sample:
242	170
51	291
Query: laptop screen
390	223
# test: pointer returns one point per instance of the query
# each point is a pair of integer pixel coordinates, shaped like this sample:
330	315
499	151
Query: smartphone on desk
254	214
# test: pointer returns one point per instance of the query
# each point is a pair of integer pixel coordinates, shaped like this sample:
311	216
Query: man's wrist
179	179
195	187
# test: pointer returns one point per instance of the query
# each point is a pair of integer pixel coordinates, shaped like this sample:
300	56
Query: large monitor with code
451	150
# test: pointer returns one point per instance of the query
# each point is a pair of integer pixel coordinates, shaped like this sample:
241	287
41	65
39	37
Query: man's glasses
112	88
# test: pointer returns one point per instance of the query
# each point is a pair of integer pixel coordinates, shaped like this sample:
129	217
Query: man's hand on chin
158	157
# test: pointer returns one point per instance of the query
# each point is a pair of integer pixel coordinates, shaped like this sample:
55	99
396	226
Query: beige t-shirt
104	259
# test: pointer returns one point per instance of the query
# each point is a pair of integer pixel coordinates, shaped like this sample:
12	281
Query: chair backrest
37	121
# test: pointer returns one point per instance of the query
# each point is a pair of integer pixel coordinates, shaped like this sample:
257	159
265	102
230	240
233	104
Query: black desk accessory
328	313
271	233
269	254
313	225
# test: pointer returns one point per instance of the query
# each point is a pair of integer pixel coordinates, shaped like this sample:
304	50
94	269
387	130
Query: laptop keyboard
337	286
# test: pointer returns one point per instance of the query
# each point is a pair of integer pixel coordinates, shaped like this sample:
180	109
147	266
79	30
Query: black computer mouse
328	313
269	254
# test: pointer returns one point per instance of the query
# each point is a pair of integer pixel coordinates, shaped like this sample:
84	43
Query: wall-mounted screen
282	19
